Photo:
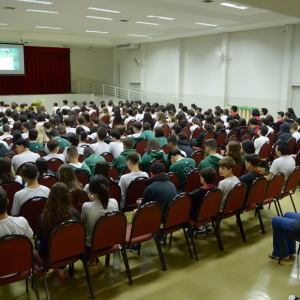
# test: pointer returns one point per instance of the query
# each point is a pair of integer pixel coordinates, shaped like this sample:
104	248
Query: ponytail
196	121
98	185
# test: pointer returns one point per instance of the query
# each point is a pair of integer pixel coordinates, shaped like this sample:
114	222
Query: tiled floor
243	271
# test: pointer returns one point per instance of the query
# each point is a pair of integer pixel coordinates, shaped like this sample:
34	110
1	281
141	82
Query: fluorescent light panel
92	31
101	18
138	22
137	35
42	11
8	29
205	24
36	1
159	17
233	5
45	27
105	10
3	24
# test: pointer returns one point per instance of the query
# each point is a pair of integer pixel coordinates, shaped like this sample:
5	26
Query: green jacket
162	140
62	142
182	168
84	167
139	138
210	161
92	160
148	157
148	135
34	146
244	158
120	161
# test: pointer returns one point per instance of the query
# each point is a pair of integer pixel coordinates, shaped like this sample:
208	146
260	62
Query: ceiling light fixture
45	27
8	29
162	18
92	31
3	24
138	22
137	35
101	18
233	5
105	10
42	11
36	1
205	24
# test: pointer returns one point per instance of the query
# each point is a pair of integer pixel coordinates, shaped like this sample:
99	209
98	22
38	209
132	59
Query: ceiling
71	18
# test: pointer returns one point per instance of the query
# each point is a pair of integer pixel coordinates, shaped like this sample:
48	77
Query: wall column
144	67
179	68
224	70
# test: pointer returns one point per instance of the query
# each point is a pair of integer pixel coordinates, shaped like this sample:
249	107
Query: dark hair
231	124
294	126
87	152
3	197
182	136
72	151
265	111
291	110
263	130
23	142
253	121
1	103
159	132
74	139
22	118
297	121
116	134
153	145
26	125
234	108
47	125
209	175
270	118
80	120
40	117
177	129
248	147
234	151
83	135
42	166
128	143
281	113
242	122
253	159
102	167
6	128
129	111
283	147
174	152
147	118
54	132
65	102
137	125
288	114
157	168
101	133
98	185
265	121
255	112
172	139
217	113
133	157
33	134
5	170
17	126
52	145
30	171
207	126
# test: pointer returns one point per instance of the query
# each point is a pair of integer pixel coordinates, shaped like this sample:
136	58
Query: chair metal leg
293	203
218	236
46	286
107	260
27	285
71	270
191	232
239	221
282	249
278	202
170	239
88	277
125	259
188	243
165	242
260	221
33	280
270	205
160	253
139	253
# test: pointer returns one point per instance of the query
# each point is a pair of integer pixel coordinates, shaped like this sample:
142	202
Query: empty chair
233	138
54	164
11	187
47	180
113	173
8	140
82	177
141	146
108	157
192	181
173	177
197	156
129	124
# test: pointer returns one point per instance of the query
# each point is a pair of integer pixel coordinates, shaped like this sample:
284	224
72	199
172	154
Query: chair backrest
275	127
243	133
292	144
113	173
54	164
80	158
32	209
47	180
275	186
265	150
235	198
108	231
196	132
210	205
94	115
78	198
141	146
76	112
8	140
9	155
166	130
192	181
271	137
173	177
130	123
298	159
246	137
178	211
66	241
88	140
106	119
19	171
197	156
233	132
61	151
11	187
41	153
208	136
115	192
166	149
238	169
233	138
297	148
256	194
12	260
135	191
292	180
82	177
108	156
221	138
146	220
219	177
155	161
118	123
188	132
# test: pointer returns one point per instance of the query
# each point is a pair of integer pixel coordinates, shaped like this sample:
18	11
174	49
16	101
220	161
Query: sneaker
162	240
133	248
208	228
292	297
201	231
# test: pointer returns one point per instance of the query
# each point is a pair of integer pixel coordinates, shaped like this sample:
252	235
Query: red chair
233	132
129	124
93	115
177	216
78	198
109	233
238	169
32	209
188	133
153	162
115	192
108	157
88	140
246	137
76	112
12	260
192	181
221	139
297	159
118	123
207	212
233	138
67	244
274	189
54	164
233	206
141	146
173	177
166	130
197	156
106	120
297	148
41	153
47	180
83	178
166	149
80	158
135	191
219	177
196	132
8	140
292	144
145	226
275	127
61	151
113	173
188	125
243	133
265	151
10	188
271	137
255	198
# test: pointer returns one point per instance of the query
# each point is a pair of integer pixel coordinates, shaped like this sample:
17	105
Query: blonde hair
42	137
161	118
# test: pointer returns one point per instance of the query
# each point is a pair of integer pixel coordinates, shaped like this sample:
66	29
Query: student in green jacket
247	147
34	145
159	136
137	136
212	160
90	158
147	133
120	161
63	143
153	151
181	166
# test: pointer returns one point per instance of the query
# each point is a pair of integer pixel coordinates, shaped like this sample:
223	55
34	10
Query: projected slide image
9	58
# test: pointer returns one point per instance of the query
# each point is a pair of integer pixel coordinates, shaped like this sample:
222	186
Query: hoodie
148	158
184	145
56	117
159	189
236	116
120	161
211	161
285	132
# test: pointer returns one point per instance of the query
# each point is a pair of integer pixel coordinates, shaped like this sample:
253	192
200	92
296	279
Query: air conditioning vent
207	1
9	7
128	46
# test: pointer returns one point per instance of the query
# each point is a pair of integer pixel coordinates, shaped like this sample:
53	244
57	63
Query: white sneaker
292	297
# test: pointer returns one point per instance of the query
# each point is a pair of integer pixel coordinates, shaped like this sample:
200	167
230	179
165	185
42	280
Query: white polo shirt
22	158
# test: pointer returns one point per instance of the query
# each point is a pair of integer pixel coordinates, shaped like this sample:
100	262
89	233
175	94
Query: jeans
280	227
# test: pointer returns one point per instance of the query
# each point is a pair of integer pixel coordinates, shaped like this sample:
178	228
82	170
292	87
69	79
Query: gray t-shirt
100	148
22	158
225	186
55	155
